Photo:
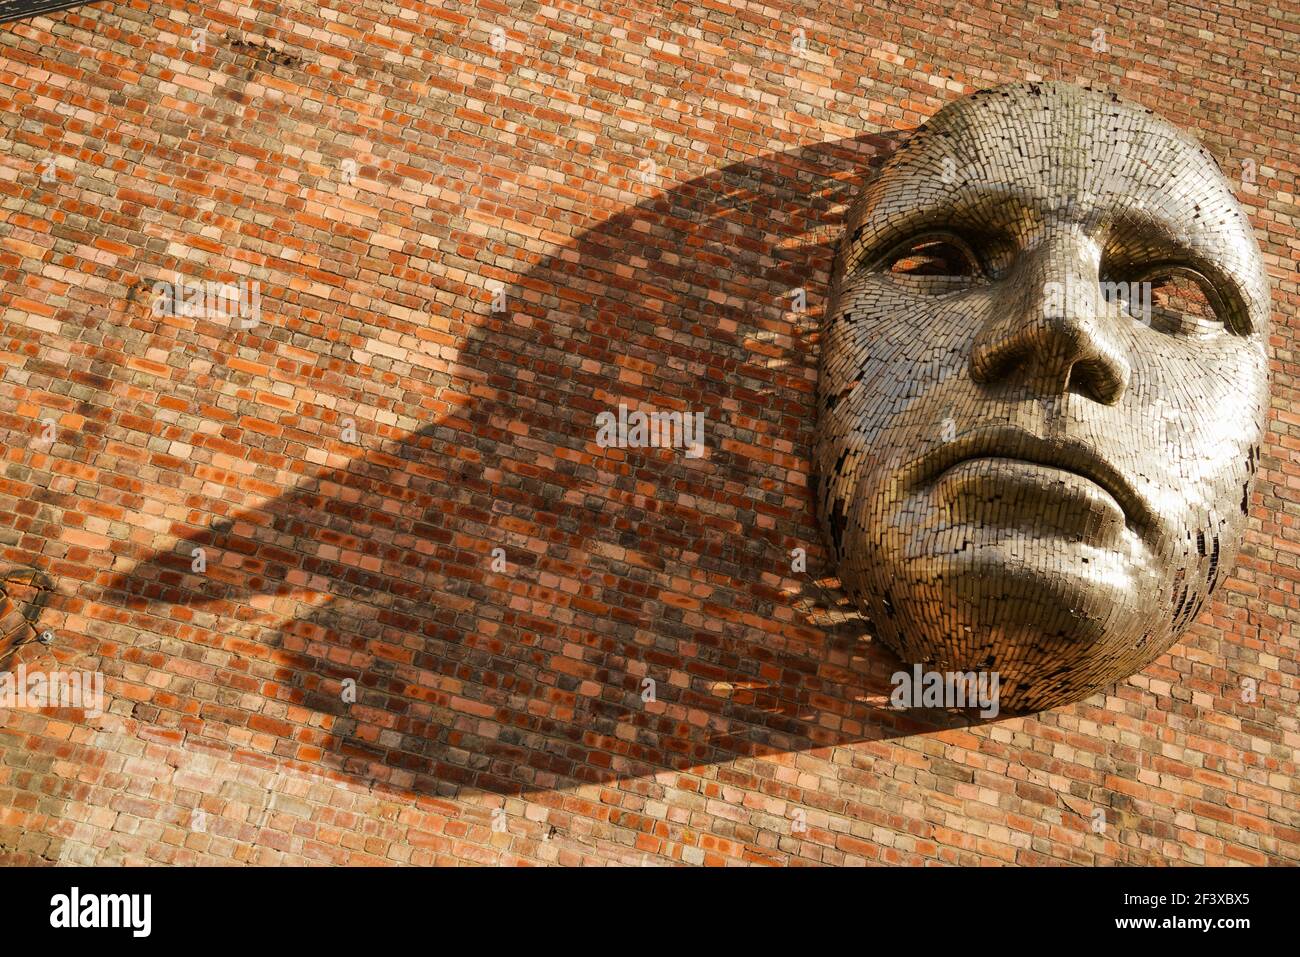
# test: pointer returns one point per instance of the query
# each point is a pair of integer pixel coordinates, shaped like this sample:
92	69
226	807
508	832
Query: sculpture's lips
1067	454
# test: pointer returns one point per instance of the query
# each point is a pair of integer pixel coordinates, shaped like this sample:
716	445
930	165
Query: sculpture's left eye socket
932	263
1177	301
1184	303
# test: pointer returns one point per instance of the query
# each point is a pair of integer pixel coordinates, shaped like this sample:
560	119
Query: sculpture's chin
1047	580
1056	619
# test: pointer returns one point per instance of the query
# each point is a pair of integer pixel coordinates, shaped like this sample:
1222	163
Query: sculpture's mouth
1000	449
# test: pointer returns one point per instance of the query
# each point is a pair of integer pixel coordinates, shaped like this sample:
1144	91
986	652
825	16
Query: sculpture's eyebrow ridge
978	210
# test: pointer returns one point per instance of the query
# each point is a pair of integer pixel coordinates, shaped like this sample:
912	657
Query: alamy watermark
946	689
1077	298
654	430
75	909
219	301
53	689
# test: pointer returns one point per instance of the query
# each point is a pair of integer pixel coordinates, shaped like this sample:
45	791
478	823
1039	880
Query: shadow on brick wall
621	565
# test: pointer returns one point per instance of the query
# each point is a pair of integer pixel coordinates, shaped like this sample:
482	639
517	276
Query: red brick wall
770	739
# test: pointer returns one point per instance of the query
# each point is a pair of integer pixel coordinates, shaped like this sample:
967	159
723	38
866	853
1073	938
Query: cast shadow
620	565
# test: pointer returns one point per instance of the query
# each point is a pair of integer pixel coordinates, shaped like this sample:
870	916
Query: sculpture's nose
1053	331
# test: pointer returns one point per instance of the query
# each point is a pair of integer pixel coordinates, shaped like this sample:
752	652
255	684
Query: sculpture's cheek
1195	414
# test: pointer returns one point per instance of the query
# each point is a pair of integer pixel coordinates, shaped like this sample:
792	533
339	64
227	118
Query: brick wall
646	184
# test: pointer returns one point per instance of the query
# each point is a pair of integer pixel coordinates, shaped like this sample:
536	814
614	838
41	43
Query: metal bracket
26	9
31	610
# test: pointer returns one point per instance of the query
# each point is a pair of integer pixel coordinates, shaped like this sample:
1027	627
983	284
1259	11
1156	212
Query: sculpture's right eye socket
933	264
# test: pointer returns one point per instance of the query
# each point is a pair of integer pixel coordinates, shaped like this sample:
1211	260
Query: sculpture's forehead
1060	141
1059	109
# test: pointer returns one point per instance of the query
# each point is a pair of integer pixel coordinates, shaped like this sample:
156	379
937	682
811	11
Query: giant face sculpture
1042	390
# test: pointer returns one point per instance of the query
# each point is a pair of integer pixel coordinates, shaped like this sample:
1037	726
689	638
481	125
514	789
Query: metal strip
25	9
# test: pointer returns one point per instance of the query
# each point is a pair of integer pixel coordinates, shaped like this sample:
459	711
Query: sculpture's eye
932	263
1175	300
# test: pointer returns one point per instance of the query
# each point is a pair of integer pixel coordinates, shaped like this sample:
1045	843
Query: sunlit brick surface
648	185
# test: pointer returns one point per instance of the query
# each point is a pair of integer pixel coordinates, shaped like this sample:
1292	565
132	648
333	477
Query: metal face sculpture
1043	385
